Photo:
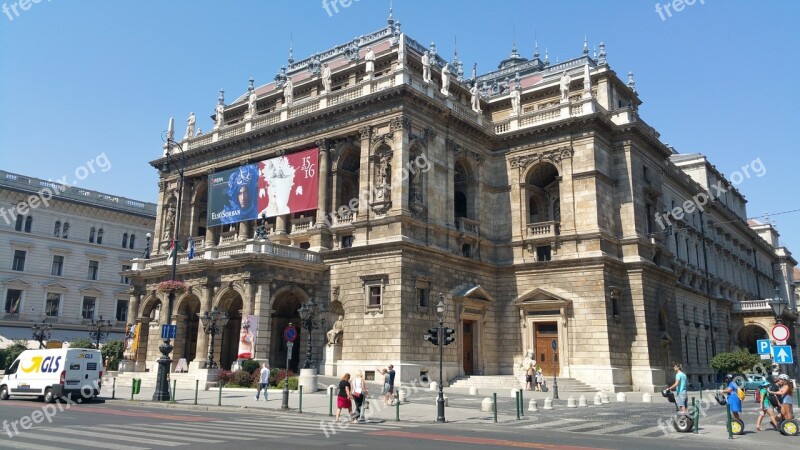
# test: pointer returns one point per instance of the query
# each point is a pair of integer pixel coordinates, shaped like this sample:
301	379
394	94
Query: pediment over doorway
540	299
474	301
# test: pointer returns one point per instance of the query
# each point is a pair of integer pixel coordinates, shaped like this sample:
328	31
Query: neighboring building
61	261
534	211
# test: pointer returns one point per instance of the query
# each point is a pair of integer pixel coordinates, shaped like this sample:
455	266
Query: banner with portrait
247	337
232	195
288	184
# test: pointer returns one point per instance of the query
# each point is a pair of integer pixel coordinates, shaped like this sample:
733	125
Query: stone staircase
484	382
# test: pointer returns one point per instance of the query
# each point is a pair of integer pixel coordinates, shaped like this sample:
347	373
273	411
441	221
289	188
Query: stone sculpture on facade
426	67
288	92
335	333
565	81
326	78
516	100
446	79
251	101
370	59
190	126
219	118
476	98
280	77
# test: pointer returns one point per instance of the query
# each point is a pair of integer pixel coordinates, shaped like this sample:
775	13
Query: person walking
263	380
785	392
539	379
386	387
733	396
530	372
345	398
681	394
359	396
765	407
390	372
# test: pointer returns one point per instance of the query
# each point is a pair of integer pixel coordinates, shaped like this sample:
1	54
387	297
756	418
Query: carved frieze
555	157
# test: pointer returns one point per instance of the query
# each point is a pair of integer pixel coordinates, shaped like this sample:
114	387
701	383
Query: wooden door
467	353
546	358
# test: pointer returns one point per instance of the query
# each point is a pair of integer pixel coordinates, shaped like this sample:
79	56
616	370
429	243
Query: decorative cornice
553	156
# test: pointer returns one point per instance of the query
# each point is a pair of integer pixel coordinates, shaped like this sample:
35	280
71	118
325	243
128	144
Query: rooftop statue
426	67
190	126
446	79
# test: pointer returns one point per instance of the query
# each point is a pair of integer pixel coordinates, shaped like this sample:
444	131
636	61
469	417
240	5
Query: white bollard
473	390
434	386
597	400
582	401
647	398
533	406
403	395
487	405
604	398
571	403
548	403
621	397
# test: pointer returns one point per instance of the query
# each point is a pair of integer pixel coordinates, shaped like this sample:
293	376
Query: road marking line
84	431
477	440
199	429
80	442
24	446
553	424
128	429
615	428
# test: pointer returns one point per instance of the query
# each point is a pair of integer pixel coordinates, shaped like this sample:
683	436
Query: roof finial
390	21
594	54
585	46
291	51
514	41
535	49
546	57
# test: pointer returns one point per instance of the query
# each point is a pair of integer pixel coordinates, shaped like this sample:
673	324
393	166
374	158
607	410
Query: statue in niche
335	333
169	224
384	173
326	78
155	316
426	67
565	81
416	188
190	126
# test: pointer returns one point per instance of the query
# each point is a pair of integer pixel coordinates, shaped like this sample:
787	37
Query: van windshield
13	368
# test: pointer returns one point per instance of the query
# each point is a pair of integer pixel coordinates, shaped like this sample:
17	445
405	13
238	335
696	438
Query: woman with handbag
344	397
359	395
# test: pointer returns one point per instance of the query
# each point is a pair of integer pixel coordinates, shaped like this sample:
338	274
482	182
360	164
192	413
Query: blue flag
191	248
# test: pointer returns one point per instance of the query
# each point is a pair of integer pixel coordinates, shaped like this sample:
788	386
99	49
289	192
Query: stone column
322	200
262	311
212	234
365	172
246	230
133	306
206	298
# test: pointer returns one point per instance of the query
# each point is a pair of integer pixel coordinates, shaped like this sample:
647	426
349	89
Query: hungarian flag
173	252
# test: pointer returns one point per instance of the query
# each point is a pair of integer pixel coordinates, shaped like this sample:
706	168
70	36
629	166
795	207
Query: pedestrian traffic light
432	336
448	336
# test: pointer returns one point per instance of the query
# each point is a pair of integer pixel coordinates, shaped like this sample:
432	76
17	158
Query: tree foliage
113	351
9	355
738	362
81	343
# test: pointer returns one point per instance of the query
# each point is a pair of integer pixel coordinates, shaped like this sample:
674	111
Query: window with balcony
88	307
464	191
13	301
94	268
122	311
52	304
543	200
18	263
58	265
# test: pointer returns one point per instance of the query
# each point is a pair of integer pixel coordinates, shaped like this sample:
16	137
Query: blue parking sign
763	347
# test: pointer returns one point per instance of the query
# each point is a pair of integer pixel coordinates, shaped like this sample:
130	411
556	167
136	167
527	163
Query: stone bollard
582	401
403	395
548	403
621	397
434	386
473	390
604	398
533	406
597	400
514	393
647	398
487	405
571	402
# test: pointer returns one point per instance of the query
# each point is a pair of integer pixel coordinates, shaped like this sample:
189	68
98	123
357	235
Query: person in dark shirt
345	398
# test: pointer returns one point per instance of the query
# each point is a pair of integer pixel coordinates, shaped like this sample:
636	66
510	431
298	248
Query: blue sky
79	78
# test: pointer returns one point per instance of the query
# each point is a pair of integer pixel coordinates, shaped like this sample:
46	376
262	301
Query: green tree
81	343
10	354
740	361
113	351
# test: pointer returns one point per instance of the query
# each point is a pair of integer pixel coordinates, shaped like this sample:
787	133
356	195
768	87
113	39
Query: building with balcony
62	250
531	199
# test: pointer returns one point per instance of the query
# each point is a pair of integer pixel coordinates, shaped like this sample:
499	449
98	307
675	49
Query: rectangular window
52	305
122	278
347	241
122	311
94	267
13	301
649	213
87	311
543	253
645	174
19	260
374	296
58	265
423	297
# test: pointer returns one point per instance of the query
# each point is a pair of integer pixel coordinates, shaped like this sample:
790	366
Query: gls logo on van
85	355
49	364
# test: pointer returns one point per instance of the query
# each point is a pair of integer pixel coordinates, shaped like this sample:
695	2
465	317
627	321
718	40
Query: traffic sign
289	346
767	357
554	345
764	347
290	333
782	354
780	332
169	331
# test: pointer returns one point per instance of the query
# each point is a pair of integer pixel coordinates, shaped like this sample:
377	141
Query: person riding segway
682	421
782	401
735	395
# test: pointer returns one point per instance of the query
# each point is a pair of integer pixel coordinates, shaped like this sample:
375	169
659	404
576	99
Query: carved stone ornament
335	293
552	156
351	51
315	65
400	123
364	132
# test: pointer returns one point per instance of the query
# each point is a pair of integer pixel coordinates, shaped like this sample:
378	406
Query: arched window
91	235
57	229
124	240
133	239
100	236
65	230
28	224
18	224
533	210
460	205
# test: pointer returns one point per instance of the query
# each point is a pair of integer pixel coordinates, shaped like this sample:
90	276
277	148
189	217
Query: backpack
757	395
740	392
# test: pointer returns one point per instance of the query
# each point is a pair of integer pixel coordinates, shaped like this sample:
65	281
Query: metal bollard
114	388
133	387
219	399
696	416
172	394
300	404
521	403
494	405
196	384
516	398
730	429
397	408
330	401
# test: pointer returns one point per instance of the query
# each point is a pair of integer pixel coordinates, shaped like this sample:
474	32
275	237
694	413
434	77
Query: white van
53	373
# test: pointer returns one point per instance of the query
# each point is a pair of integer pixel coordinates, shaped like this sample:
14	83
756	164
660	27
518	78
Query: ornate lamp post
441	312
146	253
162	385
311	318
99	330
41	333
210	319
778	305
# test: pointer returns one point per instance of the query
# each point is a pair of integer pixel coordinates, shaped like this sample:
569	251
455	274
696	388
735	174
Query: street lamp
146	254
310	320
778	305
99	330
210	319
441	312
41	333
161	392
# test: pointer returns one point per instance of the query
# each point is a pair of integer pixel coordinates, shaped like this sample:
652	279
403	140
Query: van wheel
48	396
4	393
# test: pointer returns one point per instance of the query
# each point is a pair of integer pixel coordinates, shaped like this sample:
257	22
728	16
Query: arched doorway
149	332
543	194
232	304
284	311
748	336
188	326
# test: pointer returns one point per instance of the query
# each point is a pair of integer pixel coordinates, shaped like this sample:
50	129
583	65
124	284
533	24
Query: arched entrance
188	326
232	304
284	311
748	336
149	332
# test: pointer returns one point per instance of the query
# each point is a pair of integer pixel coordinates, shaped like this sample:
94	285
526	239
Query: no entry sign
780	332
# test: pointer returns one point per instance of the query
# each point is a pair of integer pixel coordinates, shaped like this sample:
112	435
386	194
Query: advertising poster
232	195
247	337
288	184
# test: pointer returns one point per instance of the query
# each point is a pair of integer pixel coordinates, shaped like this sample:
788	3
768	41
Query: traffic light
432	336
448	336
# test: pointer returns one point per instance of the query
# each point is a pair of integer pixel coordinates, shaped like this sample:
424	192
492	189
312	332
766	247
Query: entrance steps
184	380
512	382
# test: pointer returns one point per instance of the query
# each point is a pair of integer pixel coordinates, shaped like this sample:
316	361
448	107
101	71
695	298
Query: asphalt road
117	425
